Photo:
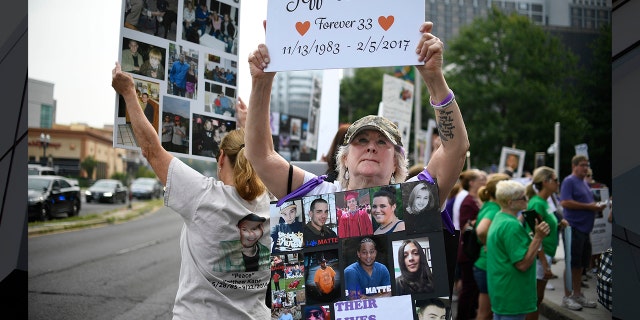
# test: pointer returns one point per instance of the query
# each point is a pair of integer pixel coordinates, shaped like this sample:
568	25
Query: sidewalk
137	209
551	306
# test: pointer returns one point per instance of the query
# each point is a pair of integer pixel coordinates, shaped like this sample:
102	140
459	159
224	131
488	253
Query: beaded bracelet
448	100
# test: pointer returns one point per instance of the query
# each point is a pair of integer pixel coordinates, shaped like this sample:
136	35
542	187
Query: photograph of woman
383	211
422	211
415	273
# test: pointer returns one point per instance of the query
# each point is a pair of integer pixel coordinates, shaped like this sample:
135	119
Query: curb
554	311
115	217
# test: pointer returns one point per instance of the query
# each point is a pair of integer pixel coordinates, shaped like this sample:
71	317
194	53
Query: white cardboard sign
332	34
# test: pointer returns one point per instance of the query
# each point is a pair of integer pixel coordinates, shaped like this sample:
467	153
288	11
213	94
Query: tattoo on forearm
445	125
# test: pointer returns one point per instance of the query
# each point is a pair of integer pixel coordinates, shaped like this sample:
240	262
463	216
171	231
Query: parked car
109	190
50	196
38	170
147	188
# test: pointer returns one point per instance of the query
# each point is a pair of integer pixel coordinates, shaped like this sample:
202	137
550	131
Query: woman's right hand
258	60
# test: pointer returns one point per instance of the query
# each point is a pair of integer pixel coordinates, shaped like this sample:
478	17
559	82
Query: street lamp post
44	140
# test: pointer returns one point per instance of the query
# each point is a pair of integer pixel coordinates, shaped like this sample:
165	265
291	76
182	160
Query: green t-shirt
511	291
488	211
541	206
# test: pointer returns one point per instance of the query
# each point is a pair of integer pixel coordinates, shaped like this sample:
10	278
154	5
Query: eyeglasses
555	179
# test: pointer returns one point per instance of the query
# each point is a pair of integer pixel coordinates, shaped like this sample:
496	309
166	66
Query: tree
89	164
513	81
361	94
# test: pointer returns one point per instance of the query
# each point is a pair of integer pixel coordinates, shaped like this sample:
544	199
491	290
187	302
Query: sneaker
549	286
569	303
582	300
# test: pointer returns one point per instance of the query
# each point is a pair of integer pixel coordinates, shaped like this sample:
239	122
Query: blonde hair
507	190
245	179
540	175
488	191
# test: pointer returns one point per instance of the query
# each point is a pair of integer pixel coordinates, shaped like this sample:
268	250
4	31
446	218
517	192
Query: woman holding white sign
372	153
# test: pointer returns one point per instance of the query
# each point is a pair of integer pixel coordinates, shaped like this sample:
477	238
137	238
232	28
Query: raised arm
448	160
146	136
272	168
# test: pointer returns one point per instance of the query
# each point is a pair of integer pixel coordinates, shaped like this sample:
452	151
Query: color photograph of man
286	233
316	230
354	219
323	282
366	278
246	254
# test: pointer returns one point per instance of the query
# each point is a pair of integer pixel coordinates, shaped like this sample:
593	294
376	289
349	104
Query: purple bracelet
448	100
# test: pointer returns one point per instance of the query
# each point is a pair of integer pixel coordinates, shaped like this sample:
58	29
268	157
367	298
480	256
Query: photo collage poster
290	134
183	56
375	253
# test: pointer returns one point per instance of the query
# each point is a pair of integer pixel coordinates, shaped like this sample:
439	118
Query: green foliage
89	165
361	94
513	81
120	176
145	172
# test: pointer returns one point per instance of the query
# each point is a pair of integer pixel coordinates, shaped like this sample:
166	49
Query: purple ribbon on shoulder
303	189
446	217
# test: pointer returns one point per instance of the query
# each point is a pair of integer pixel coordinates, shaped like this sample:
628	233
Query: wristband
448	100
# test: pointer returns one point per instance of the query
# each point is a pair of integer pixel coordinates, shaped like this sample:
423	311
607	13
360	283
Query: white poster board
316	34
601	233
199	104
397	98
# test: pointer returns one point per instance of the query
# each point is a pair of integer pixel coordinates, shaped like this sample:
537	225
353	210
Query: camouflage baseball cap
381	124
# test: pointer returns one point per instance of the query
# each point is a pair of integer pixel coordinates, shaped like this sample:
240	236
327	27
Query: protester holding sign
372	153
233	210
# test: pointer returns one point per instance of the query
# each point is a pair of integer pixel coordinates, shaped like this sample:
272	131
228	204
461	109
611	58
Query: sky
74	45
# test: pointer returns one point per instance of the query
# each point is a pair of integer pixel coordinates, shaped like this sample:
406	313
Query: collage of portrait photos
375	253
183	56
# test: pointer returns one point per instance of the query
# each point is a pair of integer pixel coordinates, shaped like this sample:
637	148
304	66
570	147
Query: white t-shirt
209	244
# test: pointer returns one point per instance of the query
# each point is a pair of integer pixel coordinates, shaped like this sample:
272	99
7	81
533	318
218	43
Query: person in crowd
471	181
153	67
147	107
192	82
189	16
178	76
324	278
167	133
202	17
216	26
355	221
316	313
330	156
287	234
431	309
179	133
228	29
212	211
415	273
487	213
132	60
136	8
276	280
511	253
383	210
579	209
364	277
286	315
316	229
370	137
543	184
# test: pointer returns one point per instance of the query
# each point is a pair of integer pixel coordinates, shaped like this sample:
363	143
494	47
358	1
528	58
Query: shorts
481	280
540	268
580	249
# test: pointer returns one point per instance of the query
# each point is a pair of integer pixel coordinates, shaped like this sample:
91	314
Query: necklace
388	224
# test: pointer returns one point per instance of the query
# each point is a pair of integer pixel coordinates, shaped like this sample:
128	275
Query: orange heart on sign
385	22
303	27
